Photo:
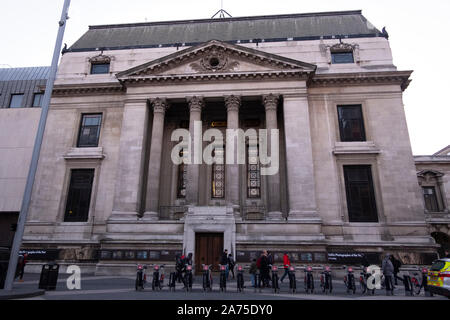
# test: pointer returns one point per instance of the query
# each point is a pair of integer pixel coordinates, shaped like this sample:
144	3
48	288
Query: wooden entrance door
208	250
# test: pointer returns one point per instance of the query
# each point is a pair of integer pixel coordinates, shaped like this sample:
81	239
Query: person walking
286	265
231	264
265	268
252	271
397	264
224	261
388	271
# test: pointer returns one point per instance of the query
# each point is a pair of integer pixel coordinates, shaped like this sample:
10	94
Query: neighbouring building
20	101
433	173
107	193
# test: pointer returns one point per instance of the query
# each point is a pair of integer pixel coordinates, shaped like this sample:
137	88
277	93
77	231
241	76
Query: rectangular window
360	194
100	68
351	123
253	173
182	178
79	196
16	101
218	176
429	194
89	131
37	100
342	57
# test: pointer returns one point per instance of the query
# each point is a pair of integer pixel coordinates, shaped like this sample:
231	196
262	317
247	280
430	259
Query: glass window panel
16	101
430	198
79	195
89	131
37	100
342	57
100	68
351	123
360	194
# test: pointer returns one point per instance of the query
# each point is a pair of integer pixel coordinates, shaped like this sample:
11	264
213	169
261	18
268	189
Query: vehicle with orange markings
439	277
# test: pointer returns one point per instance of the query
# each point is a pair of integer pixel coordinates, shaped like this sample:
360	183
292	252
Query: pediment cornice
217	60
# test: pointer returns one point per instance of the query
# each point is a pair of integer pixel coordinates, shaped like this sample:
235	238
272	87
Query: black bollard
408	285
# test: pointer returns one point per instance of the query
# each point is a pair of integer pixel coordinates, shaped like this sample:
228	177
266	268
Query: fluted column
232	104
154	167
300	167
128	188
273	181
196	105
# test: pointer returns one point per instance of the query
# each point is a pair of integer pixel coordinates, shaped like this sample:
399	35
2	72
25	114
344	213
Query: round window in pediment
214	62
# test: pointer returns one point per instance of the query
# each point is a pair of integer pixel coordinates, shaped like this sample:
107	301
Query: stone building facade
433	173
108	194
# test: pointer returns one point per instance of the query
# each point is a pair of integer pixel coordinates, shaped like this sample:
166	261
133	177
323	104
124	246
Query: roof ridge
244	18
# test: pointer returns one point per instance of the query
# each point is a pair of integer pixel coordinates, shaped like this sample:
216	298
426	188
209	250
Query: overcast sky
419	32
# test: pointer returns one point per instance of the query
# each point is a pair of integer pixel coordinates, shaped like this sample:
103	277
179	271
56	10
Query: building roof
310	26
443	152
20	74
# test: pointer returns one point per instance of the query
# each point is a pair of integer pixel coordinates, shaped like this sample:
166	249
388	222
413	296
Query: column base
304	216
274	216
151	216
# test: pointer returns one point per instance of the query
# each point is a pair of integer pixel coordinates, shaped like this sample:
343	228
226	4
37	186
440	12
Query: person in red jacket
286	264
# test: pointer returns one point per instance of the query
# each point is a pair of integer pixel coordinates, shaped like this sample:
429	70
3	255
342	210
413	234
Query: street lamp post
36	151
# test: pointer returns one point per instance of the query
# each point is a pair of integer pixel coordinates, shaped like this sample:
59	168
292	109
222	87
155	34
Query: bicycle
292	280
326	282
309	280
349	281
141	277
207	278
223	278
187	281
275	284
240	279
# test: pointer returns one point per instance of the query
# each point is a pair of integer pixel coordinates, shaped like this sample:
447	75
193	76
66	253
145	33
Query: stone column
196	105
154	166
232	104
273	181
128	188
300	167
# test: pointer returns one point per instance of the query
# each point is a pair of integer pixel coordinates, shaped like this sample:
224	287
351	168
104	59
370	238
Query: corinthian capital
159	105
196	103
271	101
233	103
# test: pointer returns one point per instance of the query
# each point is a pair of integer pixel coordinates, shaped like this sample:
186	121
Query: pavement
122	288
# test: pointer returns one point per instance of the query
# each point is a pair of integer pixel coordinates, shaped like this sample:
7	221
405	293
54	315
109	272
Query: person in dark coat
397	264
265	268
388	271
231	264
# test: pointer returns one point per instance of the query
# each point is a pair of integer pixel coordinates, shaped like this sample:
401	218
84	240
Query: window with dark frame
253	173
89	131
16	101
342	57
360	194
37	100
351	123
100	68
430	197
79	195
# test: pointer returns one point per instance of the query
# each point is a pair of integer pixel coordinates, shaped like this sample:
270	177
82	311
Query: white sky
419	32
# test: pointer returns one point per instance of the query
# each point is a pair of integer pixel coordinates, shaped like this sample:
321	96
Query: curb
21	295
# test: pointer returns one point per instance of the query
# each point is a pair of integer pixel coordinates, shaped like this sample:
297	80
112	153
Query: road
122	288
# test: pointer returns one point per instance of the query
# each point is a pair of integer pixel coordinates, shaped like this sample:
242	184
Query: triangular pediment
214	59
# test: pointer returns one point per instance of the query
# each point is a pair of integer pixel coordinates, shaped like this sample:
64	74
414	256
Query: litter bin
49	277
